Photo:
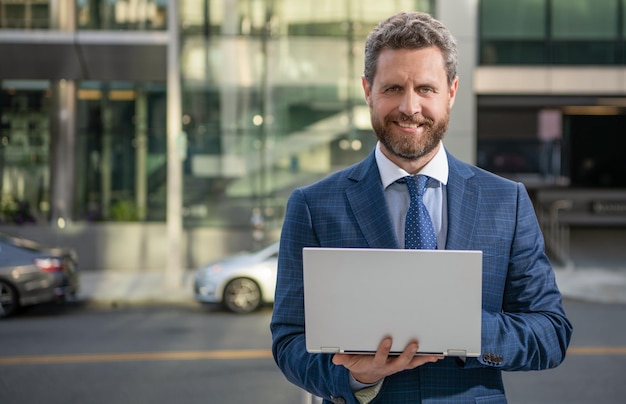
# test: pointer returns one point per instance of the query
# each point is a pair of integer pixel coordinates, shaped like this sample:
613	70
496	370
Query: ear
452	91
367	91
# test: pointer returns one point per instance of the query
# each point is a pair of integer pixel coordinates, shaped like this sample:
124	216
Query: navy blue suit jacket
524	326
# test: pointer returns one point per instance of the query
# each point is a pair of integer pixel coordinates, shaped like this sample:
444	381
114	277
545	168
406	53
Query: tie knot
416	184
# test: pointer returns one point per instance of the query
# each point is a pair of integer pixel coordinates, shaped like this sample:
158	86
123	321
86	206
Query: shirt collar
436	168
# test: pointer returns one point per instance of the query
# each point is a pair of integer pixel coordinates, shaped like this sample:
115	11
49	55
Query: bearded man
410	83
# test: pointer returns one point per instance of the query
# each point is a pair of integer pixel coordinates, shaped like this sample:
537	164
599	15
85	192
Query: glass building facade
270	96
270	99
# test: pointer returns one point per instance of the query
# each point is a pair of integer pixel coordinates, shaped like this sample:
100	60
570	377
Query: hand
368	369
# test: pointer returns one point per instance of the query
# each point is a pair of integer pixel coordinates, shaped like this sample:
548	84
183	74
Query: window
513	31
25	14
121	170
24	152
122	14
563	32
585	32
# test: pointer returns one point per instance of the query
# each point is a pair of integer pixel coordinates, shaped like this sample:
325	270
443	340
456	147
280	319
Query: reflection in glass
122	14
24	152
25	14
584	19
560	32
272	100
121	140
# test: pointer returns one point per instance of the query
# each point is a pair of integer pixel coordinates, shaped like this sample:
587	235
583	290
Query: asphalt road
139	355
195	355
594	370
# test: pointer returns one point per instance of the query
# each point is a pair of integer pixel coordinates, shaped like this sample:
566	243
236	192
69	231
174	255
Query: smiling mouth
408	125
411	124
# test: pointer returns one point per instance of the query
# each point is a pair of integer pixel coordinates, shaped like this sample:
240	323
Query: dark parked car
31	274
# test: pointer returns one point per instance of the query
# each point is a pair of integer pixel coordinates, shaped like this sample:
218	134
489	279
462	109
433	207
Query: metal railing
555	232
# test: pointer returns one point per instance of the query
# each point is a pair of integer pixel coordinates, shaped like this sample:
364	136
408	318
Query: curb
593	285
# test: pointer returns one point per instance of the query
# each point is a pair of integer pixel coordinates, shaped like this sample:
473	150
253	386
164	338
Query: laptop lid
353	298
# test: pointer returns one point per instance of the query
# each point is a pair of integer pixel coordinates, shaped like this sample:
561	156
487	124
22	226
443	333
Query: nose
410	103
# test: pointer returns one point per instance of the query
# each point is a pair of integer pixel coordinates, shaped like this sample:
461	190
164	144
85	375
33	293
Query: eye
393	89
425	90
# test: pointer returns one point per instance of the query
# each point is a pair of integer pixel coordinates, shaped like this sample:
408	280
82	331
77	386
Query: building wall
264	109
461	18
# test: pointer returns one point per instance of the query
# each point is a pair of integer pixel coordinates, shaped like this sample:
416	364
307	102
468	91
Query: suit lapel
367	199
463	198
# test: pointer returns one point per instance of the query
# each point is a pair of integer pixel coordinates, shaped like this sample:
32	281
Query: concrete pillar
141	153
62	127
234	62
62	152
461	17
174	219
106	157
63	15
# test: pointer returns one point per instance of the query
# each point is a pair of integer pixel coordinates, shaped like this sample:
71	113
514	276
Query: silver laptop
353	298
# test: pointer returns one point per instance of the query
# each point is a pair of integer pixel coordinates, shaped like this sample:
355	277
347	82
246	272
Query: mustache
415	119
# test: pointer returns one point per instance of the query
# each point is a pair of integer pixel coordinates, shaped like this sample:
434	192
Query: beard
409	147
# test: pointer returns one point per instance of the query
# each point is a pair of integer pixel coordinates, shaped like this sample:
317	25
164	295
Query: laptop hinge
326	349
460	353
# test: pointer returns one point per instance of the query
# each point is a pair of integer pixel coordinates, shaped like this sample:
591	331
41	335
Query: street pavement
111	288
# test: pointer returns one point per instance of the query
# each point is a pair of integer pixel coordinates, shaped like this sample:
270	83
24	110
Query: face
410	101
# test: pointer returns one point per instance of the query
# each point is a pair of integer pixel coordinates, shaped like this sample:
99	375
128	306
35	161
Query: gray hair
414	30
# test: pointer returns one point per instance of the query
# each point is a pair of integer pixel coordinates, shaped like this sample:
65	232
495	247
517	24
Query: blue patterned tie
418	230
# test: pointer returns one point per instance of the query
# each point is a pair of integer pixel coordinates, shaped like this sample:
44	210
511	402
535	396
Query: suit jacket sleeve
524	326
313	372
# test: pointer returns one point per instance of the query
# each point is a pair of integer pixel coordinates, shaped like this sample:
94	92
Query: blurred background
161	134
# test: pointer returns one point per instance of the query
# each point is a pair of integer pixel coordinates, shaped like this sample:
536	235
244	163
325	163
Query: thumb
340	359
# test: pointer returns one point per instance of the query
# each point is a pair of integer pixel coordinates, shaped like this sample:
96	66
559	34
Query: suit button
492	359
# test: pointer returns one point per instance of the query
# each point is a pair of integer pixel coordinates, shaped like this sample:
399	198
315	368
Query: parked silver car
31	273
241	283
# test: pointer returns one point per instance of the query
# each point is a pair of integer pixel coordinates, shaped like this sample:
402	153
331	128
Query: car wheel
242	295
8	300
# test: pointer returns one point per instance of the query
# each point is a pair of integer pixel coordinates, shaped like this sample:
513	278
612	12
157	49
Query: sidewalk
593	284
115	288
124	288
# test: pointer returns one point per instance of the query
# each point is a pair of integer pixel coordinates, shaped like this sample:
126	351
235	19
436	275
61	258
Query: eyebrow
426	83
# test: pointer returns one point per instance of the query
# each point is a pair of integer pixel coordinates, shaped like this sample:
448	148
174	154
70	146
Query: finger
341	359
409	352
402	361
382	352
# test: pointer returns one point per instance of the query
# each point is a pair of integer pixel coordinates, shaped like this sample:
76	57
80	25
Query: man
410	85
